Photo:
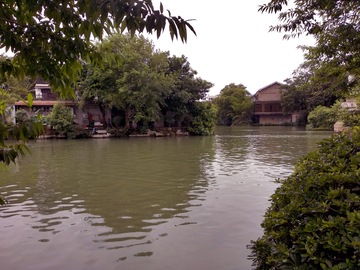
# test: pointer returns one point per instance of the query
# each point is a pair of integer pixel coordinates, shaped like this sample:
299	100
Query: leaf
30	100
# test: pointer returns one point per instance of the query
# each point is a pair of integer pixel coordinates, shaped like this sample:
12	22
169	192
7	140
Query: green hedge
314	218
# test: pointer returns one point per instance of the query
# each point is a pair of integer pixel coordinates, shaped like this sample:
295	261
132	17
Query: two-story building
267	107
44	101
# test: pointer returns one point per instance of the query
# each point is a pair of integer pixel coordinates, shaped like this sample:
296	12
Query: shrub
204	121
62	119
314	218
22	116
324	117
117	120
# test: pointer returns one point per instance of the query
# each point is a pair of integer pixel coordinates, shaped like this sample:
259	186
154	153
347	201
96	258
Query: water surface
149	203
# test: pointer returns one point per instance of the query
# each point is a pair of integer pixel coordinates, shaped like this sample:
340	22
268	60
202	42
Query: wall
274	119
272	93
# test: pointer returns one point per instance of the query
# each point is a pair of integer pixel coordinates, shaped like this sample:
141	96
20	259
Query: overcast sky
233	43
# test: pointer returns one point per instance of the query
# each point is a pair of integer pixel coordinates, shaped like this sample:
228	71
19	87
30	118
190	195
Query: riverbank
102	134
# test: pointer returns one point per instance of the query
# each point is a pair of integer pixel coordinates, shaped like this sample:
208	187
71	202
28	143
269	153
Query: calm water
184	203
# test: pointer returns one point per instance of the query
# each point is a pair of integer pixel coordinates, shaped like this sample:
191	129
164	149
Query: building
44	101
267	107
351	105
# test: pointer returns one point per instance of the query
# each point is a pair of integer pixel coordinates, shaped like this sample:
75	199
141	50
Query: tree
187	89
62	119
48	38
313	220
202	119
20	133
333	24
137	86
302	93
324	117
234	105
13	88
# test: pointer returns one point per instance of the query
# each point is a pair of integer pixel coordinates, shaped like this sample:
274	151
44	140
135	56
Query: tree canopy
335	26
302	93
137	86
149	86
234	105
186	90
49	38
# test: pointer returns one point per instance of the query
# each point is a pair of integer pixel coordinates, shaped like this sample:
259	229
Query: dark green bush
314	218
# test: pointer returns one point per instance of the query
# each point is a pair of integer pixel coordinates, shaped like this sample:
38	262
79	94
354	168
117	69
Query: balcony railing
43	96
47	96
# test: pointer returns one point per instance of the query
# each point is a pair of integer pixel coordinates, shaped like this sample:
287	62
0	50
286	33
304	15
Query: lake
180	203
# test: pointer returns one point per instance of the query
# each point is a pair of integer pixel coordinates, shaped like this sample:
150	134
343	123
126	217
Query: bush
62	119
204	121
117	120
22	116
314	218
324	117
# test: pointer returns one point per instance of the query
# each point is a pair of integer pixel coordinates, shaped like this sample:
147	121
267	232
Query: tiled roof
276	82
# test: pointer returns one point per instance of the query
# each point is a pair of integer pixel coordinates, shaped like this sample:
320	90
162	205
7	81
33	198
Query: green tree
333	24
62	119
13	88
20	133
49	38
187	89
234	105
137	86
302	93
324	117
202	119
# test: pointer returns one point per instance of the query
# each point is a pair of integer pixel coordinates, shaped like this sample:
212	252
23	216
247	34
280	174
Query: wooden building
44	101
267	109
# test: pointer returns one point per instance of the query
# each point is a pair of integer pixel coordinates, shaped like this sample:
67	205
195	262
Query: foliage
324	117
334	25
234	105
117	120
137	86
22	116
49	38
185	91
13	88
20	133
314	218
62	119
202	119
302	93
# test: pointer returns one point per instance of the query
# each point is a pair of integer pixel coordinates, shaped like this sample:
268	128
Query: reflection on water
159	203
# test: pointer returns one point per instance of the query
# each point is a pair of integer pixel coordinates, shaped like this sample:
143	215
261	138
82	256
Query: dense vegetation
148	87
234	105
314	218
303	93
49	39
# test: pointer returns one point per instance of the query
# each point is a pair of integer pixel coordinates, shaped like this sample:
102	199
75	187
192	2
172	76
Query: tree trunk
127	118
102	109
